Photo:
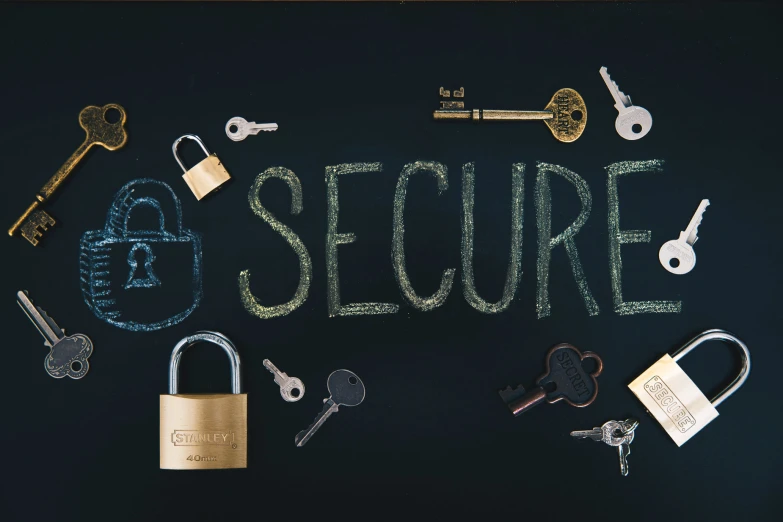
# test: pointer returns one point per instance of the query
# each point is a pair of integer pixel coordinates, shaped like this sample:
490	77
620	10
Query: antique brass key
99	131
565	114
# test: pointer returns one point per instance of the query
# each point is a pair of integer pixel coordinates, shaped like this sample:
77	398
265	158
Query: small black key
565	377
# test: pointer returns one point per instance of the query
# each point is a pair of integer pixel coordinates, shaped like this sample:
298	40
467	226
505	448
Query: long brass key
99	131
565	114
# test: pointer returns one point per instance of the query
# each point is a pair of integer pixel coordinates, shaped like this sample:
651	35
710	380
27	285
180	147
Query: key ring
629	426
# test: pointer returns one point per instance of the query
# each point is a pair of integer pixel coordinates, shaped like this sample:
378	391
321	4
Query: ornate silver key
345	389
68	354
632	122
291	388
677	256
614	433
237	128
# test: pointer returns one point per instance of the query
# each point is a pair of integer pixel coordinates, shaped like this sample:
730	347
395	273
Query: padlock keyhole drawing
141	275
142	240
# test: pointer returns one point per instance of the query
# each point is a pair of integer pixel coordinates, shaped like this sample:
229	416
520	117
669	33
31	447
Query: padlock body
206	176
203	431
673	399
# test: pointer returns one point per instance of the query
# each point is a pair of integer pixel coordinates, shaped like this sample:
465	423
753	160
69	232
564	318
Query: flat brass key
99	131
565	114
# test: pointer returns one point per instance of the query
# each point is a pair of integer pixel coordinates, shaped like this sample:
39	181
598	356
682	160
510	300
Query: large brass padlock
674	400
207	176
203	431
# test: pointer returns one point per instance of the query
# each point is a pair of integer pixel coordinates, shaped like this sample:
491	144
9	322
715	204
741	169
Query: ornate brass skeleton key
565	114
99	131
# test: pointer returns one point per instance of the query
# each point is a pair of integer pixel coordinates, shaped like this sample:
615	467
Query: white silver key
291	388
677	256
596	434
238	128
632	122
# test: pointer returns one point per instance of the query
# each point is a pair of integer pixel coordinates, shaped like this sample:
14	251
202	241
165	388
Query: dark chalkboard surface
358	84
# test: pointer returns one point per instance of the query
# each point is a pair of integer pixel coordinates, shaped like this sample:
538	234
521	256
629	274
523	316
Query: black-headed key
565	379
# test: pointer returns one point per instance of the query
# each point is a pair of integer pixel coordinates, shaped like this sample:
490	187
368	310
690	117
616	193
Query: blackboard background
350	83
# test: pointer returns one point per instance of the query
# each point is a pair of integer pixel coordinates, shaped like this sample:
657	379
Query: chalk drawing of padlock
134	278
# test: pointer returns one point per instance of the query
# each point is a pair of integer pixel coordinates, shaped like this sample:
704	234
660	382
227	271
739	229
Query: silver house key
614	433
677	256
632	122
345	389
68	354
291	388
237	128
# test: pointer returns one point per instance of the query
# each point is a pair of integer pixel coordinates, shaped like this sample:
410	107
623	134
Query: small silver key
238	128
68	354
632	122
291	388
345	389
677	256
614	433
594	434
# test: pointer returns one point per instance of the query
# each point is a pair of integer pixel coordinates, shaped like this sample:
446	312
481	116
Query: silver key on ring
68	354
630	117
345	389
614	433
677	256
238	128
291	388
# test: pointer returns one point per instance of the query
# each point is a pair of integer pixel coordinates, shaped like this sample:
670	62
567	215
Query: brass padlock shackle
720	335
210	337
190	137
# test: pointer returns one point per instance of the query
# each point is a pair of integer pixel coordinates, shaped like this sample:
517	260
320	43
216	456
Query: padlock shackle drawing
138	302
131	196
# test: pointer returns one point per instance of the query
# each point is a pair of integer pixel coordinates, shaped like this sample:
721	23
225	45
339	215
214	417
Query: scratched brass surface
565	114
207	176
491	114
100	131
565	105
203	431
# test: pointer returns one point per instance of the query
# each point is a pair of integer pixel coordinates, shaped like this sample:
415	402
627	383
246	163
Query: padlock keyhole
141	274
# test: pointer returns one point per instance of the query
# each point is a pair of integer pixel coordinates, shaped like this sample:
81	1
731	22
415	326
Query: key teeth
510	394
620	93
35	225
695	231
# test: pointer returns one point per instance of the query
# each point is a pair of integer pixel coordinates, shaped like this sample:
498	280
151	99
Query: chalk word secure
547	241
119	265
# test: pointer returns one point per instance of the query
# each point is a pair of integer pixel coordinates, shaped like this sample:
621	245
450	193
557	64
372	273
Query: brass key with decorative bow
565	114
100	131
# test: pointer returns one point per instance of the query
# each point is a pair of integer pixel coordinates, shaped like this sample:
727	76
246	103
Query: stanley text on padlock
202	438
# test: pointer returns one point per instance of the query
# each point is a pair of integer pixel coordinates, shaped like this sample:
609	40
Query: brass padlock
207	176
203	431
674	400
